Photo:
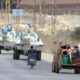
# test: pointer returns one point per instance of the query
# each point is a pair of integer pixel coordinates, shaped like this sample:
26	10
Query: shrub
76	33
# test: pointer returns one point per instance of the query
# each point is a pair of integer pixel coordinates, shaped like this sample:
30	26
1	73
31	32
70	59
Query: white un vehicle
20	43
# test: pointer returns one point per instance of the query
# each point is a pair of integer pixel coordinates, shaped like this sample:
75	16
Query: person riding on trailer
77	51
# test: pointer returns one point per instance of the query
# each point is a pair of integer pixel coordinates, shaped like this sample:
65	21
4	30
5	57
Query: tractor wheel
76	71
53	67
57	70
38	56
0	51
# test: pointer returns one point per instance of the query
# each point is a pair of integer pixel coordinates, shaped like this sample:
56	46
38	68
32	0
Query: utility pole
53	17
77	1
2	5
41	16
8	9
1	11
34	15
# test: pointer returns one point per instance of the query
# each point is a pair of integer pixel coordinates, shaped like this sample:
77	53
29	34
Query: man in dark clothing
31	54
77	55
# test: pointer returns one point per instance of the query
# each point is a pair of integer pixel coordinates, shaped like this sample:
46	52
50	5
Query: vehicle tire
0	51
76	71
57	70
32	66
13	55
16	55
38	56
53	67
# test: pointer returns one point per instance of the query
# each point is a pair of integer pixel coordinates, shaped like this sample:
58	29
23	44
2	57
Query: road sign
18	12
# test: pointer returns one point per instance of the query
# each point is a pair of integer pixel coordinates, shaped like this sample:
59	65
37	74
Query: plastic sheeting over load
4	31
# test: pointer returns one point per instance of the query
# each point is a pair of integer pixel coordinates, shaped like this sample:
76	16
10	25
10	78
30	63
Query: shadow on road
68	73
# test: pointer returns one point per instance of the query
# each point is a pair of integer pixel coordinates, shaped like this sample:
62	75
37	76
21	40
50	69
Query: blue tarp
4	31
21	36
9	27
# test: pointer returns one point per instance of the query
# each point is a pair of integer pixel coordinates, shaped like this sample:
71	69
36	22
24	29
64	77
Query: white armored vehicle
7	37
25	40
21	42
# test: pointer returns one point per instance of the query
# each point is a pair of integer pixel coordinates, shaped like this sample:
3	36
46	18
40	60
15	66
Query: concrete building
49	6
11	3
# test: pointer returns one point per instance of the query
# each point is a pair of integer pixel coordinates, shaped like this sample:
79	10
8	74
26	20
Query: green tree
76	33
14	5
18	0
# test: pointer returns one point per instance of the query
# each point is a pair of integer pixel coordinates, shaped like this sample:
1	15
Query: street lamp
8	9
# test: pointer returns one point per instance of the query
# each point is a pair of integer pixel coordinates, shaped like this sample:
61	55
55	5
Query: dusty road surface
18	70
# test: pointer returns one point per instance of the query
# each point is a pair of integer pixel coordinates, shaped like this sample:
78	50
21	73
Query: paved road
18	70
